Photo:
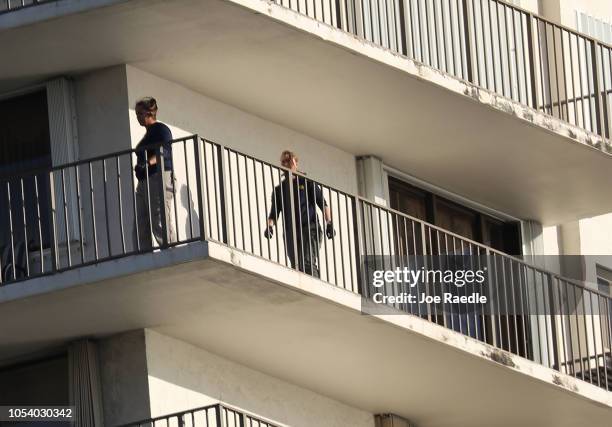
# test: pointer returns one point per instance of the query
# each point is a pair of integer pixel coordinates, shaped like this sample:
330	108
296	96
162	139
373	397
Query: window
454	217
25	145
594	27
604	279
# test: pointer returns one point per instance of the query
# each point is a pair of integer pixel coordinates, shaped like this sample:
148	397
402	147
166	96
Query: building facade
442	135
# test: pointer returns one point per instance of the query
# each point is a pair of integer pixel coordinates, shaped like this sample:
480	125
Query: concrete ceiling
290	334
330	92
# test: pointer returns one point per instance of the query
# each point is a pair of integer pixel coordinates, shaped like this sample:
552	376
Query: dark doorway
25	158
37	383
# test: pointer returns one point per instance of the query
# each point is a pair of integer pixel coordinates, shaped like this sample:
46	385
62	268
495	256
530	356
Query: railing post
222	191
52	230
358	221
220	420
200	185
600	107
469	48
493	294
294	225
338	15
162	199
402	39
532	36
553	326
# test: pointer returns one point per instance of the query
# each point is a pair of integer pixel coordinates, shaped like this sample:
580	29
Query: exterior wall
182	376
531	5
601	9
596	244
188	112
589	237
564	11
123	374
102	108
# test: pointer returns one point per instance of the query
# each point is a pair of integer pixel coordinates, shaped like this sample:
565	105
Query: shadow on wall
189	206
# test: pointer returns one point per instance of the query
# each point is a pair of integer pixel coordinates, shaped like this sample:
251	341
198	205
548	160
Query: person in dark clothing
152	183
303	218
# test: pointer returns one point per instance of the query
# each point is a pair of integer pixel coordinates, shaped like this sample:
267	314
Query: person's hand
269	232
329	231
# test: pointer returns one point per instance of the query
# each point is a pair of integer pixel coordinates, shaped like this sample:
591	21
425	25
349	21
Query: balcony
83	214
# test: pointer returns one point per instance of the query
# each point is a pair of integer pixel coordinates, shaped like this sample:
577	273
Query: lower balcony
76	257
219	415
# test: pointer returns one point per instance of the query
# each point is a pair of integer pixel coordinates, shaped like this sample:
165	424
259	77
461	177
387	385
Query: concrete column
391	420
372	179
124	378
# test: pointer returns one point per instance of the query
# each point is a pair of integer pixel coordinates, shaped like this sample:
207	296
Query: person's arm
275	209
276	206
322	203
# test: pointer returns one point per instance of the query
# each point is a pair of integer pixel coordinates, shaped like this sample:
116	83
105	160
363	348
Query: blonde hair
286	158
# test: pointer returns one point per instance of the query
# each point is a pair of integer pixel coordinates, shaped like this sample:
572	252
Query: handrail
214	419
483	246
13	5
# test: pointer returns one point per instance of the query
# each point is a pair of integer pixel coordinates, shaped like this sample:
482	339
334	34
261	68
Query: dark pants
308	245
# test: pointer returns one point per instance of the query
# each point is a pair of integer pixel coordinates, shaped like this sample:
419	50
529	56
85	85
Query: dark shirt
306	197
156	133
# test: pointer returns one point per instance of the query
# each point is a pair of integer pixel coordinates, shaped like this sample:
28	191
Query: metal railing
95	210
11	5
489	43
219	415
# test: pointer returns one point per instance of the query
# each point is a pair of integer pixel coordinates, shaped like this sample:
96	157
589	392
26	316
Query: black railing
10	5
491	44
219	415
95	210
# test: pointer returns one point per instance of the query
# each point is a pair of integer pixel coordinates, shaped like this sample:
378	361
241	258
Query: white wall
589	237
564	11
102	108
182	376
601	9
188	112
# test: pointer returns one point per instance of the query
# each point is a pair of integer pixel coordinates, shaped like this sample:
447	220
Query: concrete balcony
222	286
529	148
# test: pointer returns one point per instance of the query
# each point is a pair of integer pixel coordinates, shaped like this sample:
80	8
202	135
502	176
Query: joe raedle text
419	280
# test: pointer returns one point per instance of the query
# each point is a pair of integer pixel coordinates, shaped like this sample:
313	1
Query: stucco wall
123	374
182	376
102	108
564	11
188	112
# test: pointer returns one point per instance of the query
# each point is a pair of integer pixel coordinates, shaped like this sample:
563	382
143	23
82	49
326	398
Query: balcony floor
300	330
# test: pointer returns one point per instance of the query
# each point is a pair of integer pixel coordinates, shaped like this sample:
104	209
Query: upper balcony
218	283
520	103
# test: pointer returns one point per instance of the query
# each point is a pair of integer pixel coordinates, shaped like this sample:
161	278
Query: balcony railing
10	5
218	415
491	44
87	212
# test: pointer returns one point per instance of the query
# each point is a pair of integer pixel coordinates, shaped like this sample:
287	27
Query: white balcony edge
55	9
428	74
352	301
